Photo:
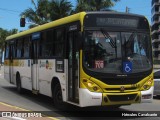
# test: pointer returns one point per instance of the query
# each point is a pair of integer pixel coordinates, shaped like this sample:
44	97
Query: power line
9	10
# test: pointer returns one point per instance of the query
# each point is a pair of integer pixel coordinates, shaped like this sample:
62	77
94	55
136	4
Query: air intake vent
116	98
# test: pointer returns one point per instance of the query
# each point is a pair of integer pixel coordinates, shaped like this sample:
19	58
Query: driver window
138	46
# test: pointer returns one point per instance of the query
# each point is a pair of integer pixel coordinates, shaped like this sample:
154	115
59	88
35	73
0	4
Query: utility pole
127	9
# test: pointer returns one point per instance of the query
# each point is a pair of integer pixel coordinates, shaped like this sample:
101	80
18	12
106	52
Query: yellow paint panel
6	62
19	63
82	73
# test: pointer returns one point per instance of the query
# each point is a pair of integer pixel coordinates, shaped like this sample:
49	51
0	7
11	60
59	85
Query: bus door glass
73	68
11	52
34	61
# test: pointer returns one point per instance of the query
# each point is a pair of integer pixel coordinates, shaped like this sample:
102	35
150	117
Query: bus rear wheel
18	84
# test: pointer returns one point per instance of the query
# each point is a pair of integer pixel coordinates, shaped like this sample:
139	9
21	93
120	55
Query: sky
10	10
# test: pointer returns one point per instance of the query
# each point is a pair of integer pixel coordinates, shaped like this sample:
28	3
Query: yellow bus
86	59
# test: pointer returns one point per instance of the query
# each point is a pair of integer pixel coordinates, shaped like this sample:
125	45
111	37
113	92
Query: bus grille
120	81
117	98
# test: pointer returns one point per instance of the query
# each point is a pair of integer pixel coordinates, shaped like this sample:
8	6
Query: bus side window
14	48
59	42
19	48
6	50
42	44
26	47
49	44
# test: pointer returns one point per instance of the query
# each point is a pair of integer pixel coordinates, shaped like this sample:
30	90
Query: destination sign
121	22
115	21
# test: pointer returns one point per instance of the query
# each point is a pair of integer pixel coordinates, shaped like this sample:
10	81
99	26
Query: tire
18	84
57	97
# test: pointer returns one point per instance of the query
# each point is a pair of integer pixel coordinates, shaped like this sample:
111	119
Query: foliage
59	9
93	5
38	14
4	34
49	10
46	10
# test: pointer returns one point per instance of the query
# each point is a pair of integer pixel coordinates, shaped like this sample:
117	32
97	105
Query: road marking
15	107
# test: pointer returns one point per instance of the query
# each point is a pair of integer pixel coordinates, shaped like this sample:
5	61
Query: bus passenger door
73	68
34	65
11	52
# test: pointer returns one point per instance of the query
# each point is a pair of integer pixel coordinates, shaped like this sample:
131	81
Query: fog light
84	80
149	96
145	86
95	88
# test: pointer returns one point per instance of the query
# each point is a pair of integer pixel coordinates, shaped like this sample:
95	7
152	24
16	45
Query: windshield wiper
130	39
111	42
107	36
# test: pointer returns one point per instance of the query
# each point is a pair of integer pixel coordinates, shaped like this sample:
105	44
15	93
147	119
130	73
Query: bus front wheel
57	97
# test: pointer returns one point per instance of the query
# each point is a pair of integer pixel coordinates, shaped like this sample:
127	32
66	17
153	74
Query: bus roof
62	21
65	20
115	13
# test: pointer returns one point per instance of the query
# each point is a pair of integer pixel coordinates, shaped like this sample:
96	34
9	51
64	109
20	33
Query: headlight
91	86
148	84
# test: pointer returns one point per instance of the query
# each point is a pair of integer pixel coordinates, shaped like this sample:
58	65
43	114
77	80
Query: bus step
35	92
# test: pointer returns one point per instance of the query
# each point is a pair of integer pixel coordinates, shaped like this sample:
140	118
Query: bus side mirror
22	22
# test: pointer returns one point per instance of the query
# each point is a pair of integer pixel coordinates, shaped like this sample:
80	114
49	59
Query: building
155	29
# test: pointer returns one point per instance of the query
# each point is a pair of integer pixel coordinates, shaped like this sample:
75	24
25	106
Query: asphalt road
29	101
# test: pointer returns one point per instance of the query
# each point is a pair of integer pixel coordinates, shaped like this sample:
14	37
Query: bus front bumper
147	96
88	98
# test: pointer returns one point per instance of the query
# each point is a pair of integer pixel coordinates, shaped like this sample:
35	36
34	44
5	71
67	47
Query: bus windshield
107	52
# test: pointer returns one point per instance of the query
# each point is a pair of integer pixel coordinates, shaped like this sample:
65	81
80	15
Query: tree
3	35
46	10
12	31
94	5
97	5
39	14
82	5
60	9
